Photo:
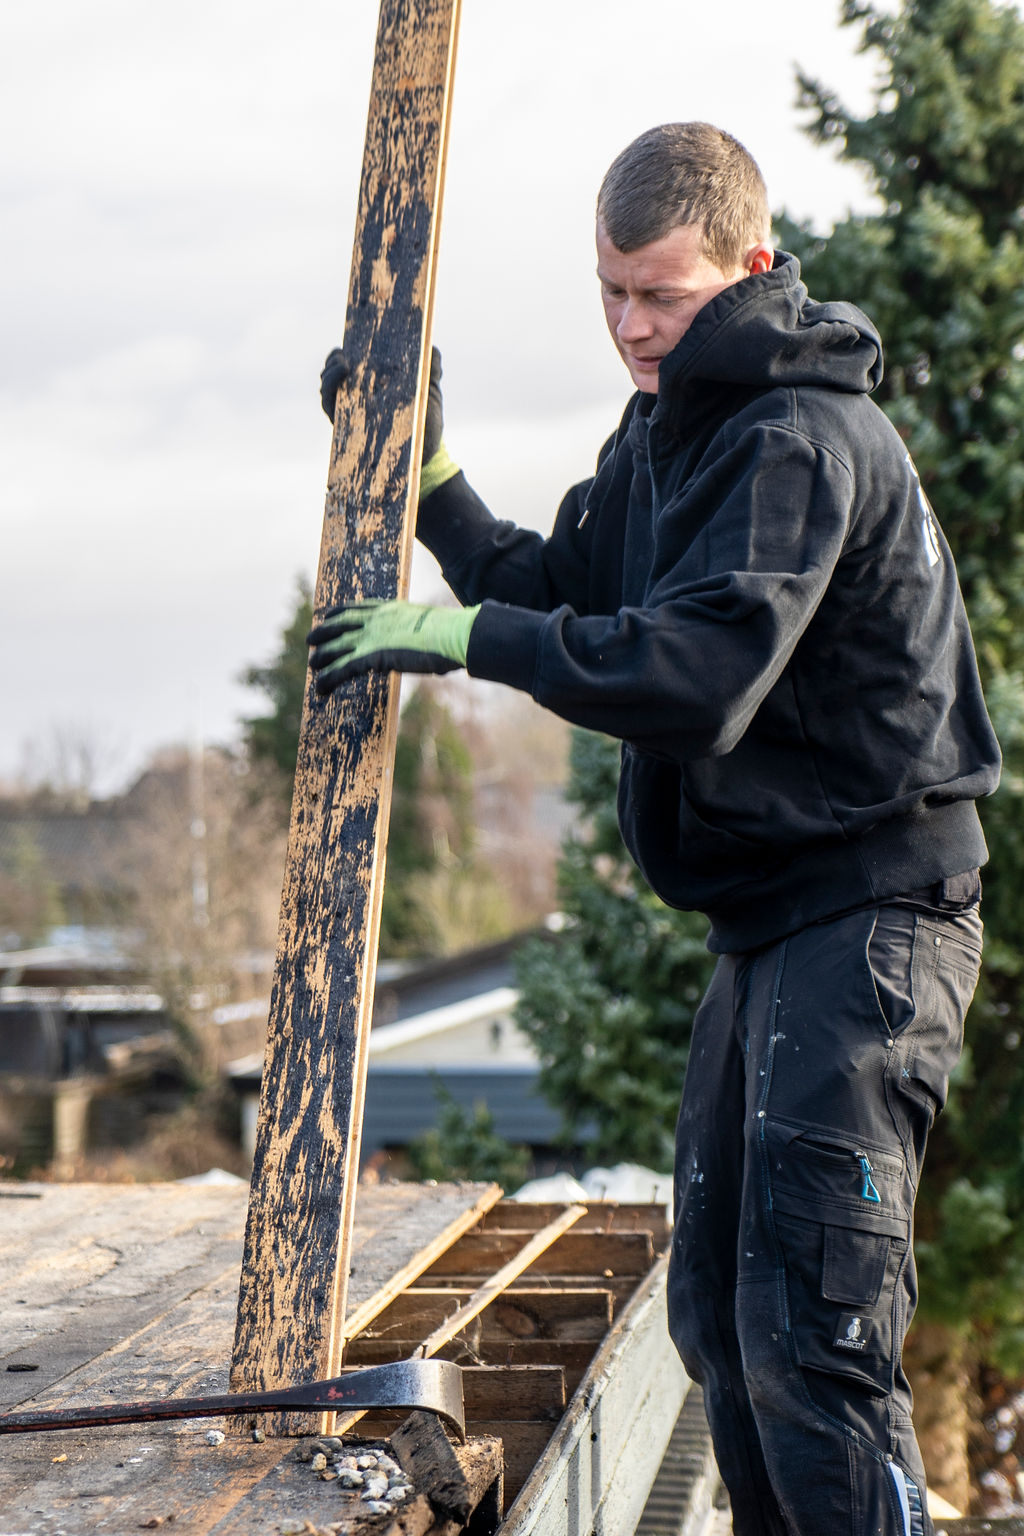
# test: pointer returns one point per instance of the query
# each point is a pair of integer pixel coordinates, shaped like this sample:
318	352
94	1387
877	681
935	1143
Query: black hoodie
753	594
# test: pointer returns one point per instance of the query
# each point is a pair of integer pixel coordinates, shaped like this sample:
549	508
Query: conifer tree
938	268
439	894
610	1006
273	738
431	835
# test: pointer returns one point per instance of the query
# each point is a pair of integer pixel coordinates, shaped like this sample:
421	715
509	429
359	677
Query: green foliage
974	1236
610	1005
439	895
938	269
431	824
274	738
30	898
466	1146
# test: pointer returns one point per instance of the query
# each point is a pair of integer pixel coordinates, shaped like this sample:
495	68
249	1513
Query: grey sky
178	187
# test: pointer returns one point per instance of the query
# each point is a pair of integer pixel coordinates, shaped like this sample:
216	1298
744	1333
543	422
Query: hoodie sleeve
741	559
484	557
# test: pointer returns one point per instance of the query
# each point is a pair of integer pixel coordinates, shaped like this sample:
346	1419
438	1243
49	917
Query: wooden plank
529	1254
517	1314
84	1266
480	1463
572	1359
118	1479
471	1308
402	1275
620	1287
602	1216
292	1296
576	1253
514	1392
77	1240
425	1454
555	1314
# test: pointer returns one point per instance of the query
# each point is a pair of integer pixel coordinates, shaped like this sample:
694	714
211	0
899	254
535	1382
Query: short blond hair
686	173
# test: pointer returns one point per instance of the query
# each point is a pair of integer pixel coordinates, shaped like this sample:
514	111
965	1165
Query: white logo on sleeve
929	527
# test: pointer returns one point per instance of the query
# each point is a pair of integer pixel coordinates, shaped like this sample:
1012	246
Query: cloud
179	188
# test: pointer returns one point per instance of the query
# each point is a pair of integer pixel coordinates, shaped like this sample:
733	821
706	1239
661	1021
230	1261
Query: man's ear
759	259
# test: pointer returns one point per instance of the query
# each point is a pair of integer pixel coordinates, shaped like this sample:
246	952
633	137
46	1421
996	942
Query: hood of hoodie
765	332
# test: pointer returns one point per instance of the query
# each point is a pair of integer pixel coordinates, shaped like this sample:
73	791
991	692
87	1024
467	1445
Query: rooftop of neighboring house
455	1009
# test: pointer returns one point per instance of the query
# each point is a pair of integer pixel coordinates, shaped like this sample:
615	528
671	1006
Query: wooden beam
292	1296
426	1456
482	1297
523	1313
397	1284
602	1216
571	1357
484	1294
582	1254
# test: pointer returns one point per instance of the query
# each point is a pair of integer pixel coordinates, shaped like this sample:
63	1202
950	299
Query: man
753	595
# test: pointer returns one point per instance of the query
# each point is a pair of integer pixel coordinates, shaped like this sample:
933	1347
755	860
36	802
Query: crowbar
435	1385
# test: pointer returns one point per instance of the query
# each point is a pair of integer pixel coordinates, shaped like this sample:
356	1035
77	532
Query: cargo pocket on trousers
843	1240
853	1265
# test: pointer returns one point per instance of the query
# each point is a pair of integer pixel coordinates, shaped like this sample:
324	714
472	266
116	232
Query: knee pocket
841	1217
844	1320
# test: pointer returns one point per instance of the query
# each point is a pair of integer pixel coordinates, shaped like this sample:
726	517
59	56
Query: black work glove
337	369
332	376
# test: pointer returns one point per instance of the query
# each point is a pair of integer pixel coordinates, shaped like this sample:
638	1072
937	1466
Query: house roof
75	847
415	1000
419	987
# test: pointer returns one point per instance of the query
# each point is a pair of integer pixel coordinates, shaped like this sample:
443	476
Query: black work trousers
816	1069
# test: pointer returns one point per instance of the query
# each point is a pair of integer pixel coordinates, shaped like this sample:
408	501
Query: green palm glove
356	638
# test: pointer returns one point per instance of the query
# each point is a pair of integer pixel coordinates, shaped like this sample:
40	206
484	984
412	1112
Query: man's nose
634	322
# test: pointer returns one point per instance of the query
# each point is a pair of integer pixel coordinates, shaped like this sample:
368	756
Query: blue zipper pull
869	1192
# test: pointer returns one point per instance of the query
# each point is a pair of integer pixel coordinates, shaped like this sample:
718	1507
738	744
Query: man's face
651	295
